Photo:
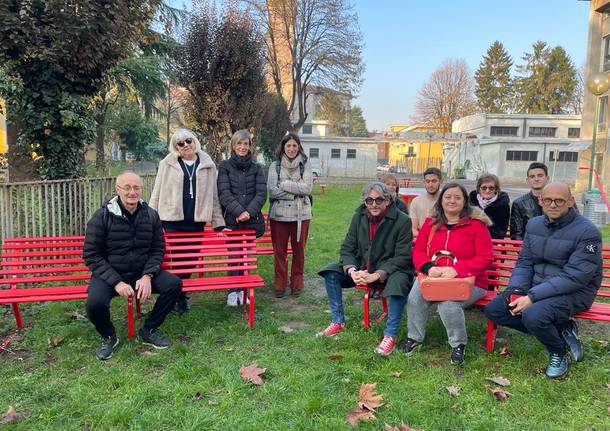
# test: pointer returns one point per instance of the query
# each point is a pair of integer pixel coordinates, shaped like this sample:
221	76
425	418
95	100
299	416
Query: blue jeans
334	280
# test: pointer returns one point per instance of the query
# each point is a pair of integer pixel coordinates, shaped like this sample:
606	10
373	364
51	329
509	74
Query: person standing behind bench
185	192
421	207
558	272
494	202
527	206
124	248
242	191
289	183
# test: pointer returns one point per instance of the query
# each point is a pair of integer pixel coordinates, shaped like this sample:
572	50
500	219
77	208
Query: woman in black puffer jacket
494	202
242	191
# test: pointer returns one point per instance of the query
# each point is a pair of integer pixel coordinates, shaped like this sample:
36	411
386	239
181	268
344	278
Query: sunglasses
378	201
490	188
183	143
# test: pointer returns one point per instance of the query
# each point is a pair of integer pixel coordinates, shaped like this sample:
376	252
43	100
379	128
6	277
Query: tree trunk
100	158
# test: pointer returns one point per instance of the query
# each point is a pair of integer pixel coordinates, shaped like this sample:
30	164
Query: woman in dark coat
376	250
494	202
242	191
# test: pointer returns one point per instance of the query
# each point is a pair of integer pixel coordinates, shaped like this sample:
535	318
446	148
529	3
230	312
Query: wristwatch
150	275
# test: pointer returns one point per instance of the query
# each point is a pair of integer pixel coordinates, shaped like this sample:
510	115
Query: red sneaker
386	346
332	329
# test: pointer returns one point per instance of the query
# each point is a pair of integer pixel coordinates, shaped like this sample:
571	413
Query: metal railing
55	208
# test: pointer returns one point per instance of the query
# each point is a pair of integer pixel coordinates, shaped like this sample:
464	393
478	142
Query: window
307	129
411	151
335	153
574	132
606	51
564	156
503	131
314	153
603	107
522	156
546	132
351	154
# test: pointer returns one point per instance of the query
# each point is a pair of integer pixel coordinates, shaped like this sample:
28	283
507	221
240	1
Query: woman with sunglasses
184	193
454	242
289	183
375	251
494	202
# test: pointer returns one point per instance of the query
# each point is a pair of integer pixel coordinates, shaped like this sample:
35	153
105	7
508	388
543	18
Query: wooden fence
55	208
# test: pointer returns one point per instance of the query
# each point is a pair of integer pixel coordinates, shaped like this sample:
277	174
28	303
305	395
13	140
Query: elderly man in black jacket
558	274
124	248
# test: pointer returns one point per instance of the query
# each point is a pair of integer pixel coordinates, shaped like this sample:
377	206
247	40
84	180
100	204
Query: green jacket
390	250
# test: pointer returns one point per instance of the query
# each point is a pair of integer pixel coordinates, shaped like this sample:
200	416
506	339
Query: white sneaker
232	300
240	298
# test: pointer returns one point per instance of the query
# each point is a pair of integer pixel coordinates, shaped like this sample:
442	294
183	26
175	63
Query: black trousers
100	293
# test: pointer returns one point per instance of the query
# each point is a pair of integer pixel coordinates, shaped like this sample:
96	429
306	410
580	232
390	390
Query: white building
505	145
334	156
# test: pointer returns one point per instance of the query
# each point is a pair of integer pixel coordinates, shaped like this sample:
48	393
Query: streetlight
430	133
598	84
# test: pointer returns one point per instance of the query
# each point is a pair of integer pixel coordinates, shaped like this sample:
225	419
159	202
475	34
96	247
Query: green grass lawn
195	384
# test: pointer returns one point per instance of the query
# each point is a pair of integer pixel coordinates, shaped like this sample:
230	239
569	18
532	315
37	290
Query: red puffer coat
468	240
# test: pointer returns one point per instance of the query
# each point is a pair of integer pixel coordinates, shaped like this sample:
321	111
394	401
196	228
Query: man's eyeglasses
130	189
558	202
183	143
490	188
378	201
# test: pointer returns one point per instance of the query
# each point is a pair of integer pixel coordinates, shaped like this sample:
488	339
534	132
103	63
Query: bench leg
138	309
384	304
131	331
492	331
251	313
18	318
367	293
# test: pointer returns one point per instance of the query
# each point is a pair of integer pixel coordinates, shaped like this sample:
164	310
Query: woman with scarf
289	184
242	192
376	251
494	202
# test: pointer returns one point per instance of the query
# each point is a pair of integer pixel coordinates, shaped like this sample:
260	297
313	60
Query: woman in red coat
454	242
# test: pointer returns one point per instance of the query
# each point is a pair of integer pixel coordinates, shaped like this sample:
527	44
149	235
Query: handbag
444	289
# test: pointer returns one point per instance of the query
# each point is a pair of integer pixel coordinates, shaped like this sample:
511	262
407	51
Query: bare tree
310	42
576	103
446	96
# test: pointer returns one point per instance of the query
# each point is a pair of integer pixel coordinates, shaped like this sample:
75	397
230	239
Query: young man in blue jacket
558	272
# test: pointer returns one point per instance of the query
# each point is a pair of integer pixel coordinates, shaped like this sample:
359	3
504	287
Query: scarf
241	162
290	165
484	203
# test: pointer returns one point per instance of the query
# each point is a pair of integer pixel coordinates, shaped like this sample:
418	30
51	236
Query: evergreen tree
493	82
561	81
530	84
357	124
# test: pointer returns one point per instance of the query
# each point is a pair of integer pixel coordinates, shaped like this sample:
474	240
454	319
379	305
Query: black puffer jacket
524	208
116	250
498	212
242	187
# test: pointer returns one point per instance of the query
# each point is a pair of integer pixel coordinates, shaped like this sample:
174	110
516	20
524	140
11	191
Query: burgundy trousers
281	232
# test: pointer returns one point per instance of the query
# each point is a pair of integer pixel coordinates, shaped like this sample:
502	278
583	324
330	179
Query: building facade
505	145
334	156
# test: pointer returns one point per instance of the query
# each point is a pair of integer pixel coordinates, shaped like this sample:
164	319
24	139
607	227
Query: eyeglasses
378	201
558	202
490	188
183	143
130	189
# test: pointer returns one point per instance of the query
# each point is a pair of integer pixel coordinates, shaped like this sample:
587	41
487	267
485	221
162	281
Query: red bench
52	269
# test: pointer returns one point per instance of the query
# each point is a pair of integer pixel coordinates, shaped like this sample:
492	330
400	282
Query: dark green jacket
390	250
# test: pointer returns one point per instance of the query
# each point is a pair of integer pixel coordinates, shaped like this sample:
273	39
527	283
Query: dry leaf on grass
368	400
75	315
55	341
401	427
183	338
505	352
286	329
335	357
499	393
197	396
454	391
358	414
380	318
396	373
252	373
498	380
11	416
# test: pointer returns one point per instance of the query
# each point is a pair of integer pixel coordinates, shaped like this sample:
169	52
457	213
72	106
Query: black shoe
569	333
181	306
409	346
377	294
105	350
457	355
279	293
154	338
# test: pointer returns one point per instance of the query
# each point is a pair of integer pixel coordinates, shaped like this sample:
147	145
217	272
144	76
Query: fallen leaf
358	414
368	400
142	350
11	416
252	373
286	329
401	427
498	380
197	396
396	373
499	393
55	341
345	380
380	318
335	357
212	402
454	391
505	352
75	315
183	338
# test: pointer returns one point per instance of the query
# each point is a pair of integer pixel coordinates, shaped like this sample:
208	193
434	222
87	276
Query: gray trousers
451	312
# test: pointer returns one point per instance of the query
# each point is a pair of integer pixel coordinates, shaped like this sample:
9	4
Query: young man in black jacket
124	248
527	206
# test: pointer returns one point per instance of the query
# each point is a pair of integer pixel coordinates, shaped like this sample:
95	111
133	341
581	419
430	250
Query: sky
406	40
